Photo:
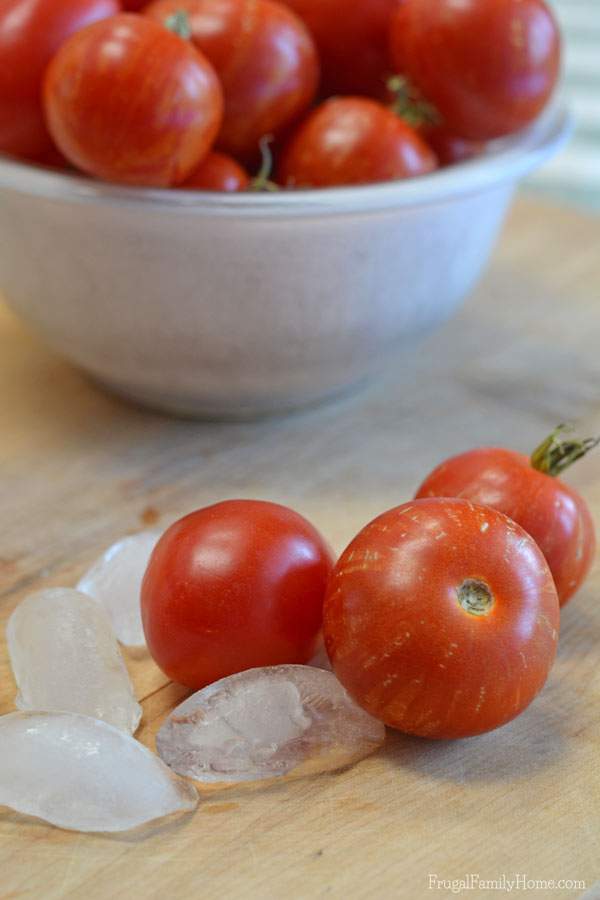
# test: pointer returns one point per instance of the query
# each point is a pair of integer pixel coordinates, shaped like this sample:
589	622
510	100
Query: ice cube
64	656
115	580
82	774
280	720
320	659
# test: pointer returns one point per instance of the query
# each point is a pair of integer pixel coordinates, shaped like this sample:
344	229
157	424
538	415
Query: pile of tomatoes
441	617
182	93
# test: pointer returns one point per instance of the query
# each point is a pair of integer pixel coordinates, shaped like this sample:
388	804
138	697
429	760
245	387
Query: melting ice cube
320	659
65	656
83	774
115	581
279	720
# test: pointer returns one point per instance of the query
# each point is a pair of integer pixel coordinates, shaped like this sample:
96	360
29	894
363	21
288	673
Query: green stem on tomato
179	24
410	105
262	181
557	452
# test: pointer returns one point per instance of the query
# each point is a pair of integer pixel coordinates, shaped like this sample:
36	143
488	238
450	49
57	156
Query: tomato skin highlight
218	172
353	43
403	646
265	59
128	101
488	66
552	512
353	140
233	586
31	31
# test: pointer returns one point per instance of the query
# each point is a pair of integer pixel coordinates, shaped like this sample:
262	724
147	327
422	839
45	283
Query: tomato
488	66
129	101
410	105
441	618
233	586
265	59
451	149
218	172
353	140
31	31
53	159
553	513
353	42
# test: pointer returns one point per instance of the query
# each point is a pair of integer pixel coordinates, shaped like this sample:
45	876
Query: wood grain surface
80	469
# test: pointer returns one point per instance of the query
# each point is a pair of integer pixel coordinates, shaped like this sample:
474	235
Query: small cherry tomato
353	42
353	140
526	489
266	61
218	172
234	586
410	105
31	31
488	66
52	158
451	149
441	619
129	101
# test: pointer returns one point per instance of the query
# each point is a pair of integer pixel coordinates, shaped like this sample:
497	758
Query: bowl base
184	407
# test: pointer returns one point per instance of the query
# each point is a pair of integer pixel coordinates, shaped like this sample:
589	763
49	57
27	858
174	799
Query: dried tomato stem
475	597
410	105
262	181
179	24
558	452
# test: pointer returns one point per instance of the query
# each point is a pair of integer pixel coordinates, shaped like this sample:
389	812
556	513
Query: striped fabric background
574	176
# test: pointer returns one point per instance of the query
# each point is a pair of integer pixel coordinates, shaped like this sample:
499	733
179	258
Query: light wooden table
79	469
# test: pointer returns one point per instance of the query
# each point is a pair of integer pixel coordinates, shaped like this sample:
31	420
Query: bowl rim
506	160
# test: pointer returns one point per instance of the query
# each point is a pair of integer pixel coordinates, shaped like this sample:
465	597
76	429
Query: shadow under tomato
518	750
579	631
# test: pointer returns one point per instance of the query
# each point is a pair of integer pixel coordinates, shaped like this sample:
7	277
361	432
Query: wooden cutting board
80	469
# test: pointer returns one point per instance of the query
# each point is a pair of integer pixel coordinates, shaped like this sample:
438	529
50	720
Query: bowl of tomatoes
237	207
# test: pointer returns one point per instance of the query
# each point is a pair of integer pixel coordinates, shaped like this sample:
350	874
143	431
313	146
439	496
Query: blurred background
574	176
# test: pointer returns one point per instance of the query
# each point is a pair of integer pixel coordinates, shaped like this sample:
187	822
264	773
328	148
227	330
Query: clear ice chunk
279	720
115	580
64	656
82	774
320	659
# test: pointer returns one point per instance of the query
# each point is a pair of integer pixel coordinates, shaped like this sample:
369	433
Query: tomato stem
179	24
475	597
410	105
557	452
262	181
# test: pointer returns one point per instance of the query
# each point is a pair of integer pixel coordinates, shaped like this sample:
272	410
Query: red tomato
129	101
218	172
265	59
353	42
31	31
488	66
53	159
441	619
451	149
353	140
233	586
553	513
